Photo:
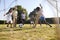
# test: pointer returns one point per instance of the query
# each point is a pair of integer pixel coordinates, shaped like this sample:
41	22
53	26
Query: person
23	17
40	17
14	14
37	14
32	20
22	21
32	17
9	17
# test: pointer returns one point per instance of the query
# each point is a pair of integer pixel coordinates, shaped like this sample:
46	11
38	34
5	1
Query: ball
20	25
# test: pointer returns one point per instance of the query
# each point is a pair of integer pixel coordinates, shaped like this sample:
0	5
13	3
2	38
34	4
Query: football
20	25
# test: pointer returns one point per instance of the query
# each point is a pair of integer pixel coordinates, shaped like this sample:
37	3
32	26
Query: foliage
49	20
2	21
20	10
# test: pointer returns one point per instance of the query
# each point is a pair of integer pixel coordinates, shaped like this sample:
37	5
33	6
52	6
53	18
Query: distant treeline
50	20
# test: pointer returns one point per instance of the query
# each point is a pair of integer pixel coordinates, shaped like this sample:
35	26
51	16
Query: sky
29	5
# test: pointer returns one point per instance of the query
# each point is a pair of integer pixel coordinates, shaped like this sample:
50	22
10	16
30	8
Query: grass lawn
28	33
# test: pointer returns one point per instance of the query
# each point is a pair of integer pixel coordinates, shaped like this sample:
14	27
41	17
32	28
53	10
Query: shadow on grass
13	29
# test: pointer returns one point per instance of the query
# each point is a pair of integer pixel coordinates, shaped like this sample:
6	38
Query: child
14	14
32	20
42	19
9	17
23	16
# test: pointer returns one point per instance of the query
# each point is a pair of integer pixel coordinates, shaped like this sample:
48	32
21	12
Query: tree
21	10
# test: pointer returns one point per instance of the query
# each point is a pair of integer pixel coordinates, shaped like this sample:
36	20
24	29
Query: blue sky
29	5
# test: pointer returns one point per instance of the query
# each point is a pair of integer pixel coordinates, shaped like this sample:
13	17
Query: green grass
28	33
